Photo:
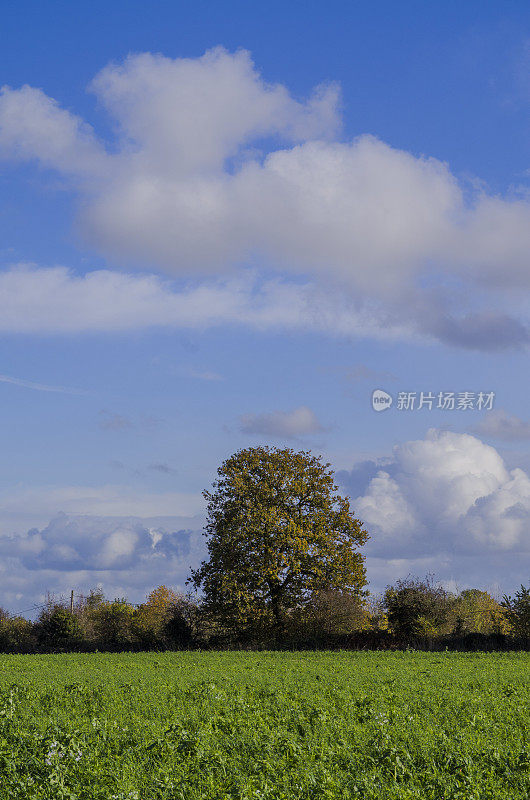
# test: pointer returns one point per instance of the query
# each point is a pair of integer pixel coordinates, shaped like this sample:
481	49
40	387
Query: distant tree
91	601
113	623
518	612
58	627
161	599
165	620
476	611
16	633
277	533
86	612
182	624
418	607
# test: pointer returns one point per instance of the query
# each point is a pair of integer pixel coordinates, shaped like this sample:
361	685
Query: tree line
413	612
284	569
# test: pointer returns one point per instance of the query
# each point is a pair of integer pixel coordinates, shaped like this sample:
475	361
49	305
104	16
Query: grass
440	726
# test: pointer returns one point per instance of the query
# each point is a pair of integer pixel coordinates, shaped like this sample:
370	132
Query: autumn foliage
278	534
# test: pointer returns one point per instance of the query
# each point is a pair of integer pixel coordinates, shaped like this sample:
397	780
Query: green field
265	725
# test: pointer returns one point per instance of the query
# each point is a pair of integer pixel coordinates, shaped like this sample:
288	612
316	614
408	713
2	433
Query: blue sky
226	224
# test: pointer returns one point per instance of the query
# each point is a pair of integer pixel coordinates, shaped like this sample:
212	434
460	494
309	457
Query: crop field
265	725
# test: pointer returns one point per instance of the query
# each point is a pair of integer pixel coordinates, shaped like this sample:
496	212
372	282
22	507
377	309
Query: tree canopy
278	532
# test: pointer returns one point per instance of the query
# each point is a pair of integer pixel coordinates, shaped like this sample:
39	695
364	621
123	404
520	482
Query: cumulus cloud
500	425
213	167
356	480
446	504
126	556
53	538
95	543
282	424
448	498
194	113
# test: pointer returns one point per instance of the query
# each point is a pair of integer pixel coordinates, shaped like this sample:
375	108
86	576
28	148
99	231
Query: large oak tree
278	532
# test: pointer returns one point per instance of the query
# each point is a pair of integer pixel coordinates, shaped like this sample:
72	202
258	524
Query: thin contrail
41	387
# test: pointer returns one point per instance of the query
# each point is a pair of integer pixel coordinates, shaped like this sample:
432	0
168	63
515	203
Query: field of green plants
265	725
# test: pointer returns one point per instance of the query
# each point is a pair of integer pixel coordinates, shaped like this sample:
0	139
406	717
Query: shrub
113	624
86	613
518	612
419	608
58	628
165	620
16	634
328	616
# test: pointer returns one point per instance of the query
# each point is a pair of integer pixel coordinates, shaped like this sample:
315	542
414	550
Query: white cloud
360	212
446	505
363	211
386	509
96	543
191	114
212	167
33	126
283	424
501	519
447	493
54	300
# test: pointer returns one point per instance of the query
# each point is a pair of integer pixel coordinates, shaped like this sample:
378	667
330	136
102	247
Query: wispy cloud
206	375
105	500
40	387
283	424
500	425
111	421
114	422
163	468
361	372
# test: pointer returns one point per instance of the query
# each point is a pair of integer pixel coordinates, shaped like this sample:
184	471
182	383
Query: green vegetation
189	725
